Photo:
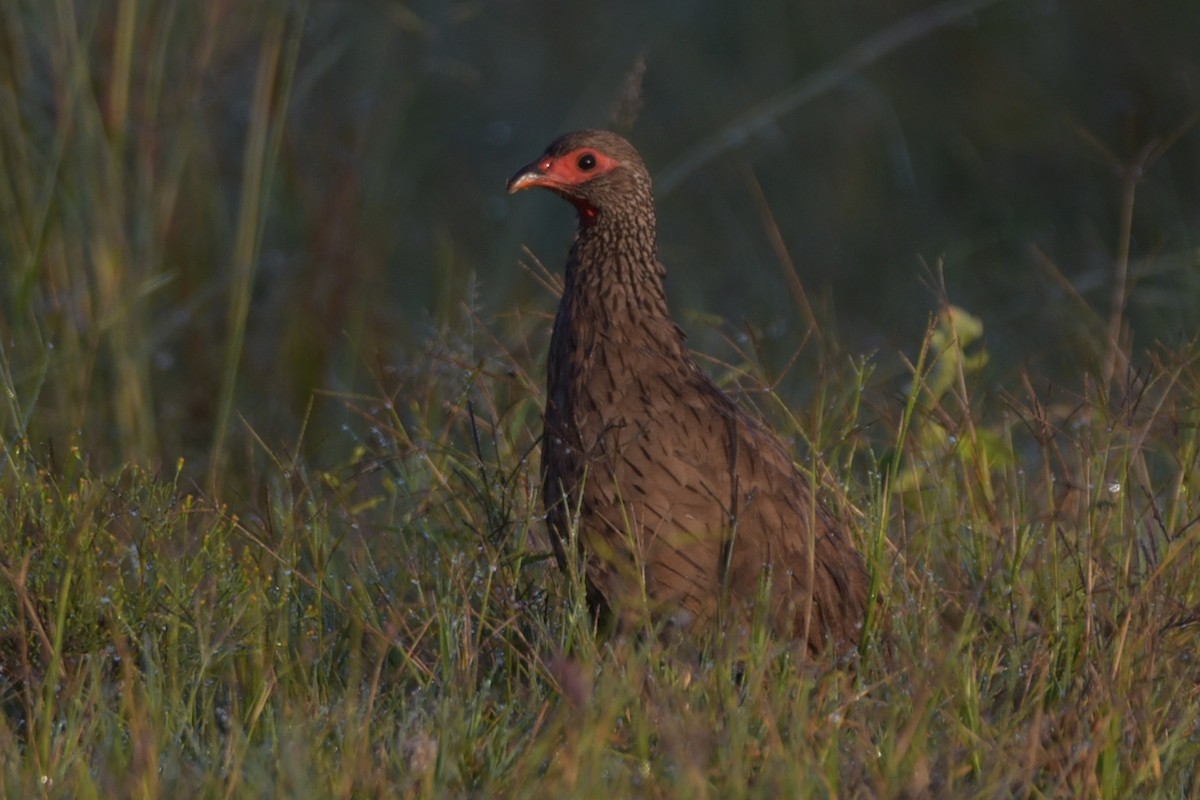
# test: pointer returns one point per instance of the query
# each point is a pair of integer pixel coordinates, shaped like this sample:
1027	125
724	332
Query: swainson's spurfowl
687	507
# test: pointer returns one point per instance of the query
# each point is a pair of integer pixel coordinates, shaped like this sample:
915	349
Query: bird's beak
532	174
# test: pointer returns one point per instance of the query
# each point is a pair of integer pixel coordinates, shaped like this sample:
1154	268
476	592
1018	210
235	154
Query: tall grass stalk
268	109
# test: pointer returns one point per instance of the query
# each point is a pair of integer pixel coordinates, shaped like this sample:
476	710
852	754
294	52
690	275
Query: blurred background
210	211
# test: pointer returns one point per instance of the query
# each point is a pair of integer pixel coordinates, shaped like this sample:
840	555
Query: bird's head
598	172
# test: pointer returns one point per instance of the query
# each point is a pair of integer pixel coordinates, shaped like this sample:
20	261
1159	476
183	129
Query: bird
683	509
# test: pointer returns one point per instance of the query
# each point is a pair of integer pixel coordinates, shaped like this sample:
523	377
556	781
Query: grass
394	625
208	590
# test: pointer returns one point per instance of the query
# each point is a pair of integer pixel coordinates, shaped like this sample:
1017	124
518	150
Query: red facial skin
563	172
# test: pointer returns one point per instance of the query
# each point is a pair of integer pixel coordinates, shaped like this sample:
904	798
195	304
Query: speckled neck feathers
613	271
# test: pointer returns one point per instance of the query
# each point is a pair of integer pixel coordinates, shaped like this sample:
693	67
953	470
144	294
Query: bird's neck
613	328
614	270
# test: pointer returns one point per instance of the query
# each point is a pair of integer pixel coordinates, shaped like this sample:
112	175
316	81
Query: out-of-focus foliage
331	173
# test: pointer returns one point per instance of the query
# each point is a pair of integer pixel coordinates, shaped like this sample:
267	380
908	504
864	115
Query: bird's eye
587	162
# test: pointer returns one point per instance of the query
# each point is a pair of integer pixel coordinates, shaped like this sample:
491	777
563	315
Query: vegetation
262	535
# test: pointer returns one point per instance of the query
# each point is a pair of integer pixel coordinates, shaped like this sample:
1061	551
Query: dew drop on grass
1114	487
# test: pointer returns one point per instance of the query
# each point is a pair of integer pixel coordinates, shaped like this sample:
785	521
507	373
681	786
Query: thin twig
787	266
